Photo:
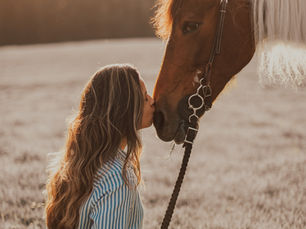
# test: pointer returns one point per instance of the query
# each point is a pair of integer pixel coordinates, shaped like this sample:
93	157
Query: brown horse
190	27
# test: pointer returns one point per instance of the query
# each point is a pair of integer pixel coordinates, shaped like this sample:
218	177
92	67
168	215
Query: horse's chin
172	131
180	133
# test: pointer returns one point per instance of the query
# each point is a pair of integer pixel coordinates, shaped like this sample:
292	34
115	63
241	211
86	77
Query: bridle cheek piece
204	91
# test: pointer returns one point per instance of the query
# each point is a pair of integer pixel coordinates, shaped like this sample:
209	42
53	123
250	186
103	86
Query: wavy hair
111	109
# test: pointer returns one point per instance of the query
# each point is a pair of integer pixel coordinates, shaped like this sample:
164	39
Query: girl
95	183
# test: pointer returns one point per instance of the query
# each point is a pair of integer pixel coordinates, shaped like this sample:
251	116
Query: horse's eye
190	26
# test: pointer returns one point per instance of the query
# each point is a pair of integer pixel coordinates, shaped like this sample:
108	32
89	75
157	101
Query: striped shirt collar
121	155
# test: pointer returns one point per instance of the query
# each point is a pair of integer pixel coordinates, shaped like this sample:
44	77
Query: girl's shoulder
109	177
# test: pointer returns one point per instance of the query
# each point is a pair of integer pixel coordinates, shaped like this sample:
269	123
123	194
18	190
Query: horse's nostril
158	119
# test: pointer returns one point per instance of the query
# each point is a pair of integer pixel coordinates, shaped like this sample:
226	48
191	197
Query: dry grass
247	169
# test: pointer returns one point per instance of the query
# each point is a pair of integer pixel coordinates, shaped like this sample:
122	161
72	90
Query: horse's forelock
164	15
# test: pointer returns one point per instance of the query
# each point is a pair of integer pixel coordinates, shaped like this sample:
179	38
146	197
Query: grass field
247	169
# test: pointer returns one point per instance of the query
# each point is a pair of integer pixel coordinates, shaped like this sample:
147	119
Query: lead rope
205	102
179	181
188	142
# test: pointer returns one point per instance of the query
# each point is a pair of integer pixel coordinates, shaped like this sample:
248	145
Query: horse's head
190	27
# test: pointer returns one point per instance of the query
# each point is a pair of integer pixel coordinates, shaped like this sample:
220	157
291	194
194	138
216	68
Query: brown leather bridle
204	95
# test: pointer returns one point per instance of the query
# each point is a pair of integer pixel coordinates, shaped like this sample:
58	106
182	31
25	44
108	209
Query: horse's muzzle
166	123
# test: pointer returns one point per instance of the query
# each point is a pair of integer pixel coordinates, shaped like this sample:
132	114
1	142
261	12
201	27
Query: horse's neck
280	20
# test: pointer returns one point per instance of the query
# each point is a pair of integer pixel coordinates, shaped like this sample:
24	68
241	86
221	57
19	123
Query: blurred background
247	168
42	21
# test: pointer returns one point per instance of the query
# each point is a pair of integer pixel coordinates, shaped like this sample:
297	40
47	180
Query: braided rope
177	187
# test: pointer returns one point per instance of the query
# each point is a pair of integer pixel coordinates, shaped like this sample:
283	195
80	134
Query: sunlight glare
282	64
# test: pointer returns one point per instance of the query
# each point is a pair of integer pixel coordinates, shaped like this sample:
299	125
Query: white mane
280	34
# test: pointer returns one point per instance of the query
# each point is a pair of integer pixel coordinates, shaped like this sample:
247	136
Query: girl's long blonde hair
111	109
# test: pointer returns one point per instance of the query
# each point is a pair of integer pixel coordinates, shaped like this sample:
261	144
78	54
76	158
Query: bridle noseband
204	95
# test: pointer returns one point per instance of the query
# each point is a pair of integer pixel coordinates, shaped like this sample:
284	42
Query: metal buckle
187	135
206	91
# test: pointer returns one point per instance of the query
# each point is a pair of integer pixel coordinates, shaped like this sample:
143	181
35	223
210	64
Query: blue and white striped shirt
112	204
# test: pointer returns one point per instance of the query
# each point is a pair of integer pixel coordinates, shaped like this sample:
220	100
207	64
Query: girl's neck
123	143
